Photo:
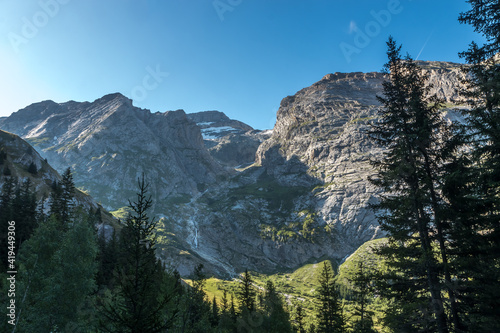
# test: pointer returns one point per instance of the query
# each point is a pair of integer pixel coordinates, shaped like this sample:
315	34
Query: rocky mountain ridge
109	143
304	199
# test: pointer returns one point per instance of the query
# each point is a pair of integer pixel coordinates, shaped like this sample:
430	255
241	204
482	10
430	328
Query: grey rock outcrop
229	141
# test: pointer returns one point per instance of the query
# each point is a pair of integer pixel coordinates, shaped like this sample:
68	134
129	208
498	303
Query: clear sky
237	56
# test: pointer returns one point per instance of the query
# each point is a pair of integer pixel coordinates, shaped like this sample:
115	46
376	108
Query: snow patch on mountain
214	133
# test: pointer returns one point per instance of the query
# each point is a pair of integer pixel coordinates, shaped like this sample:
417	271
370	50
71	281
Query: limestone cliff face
446	79
320	137
109	143
307	195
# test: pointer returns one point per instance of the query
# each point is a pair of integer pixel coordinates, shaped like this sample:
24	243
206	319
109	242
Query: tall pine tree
330	314
412	208
144	288
478	203
276	318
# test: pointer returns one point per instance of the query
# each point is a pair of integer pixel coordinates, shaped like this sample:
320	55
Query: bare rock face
230	142
109	143
323	129
18	156
446	79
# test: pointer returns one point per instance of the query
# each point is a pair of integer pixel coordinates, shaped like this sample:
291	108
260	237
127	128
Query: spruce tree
25	211
330	314
144	288
196	310
478	203
3	156
276	319
18	204
246	293
227	322
32	168
248	317
67	194
214	314
107	259
56	276
412	209
7	196
6	171
299	325
363	293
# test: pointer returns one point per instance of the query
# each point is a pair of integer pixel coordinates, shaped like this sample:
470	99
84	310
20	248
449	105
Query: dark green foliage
227	319
477	204
194	315
214	314
56	267
144	289
32	168
67	194
3	156
330	315
56	276
107	260
18	204
484	16
410	210
246	293
61	198
298	324
363	294
6	171
276	319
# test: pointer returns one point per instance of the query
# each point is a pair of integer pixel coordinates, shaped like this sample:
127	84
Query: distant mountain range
227	195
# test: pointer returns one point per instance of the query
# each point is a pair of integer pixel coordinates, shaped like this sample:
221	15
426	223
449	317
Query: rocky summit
227	195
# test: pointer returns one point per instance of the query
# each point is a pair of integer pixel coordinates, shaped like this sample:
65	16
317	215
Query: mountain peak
117	97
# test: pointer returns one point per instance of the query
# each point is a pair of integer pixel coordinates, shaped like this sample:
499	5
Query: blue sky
237	56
